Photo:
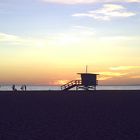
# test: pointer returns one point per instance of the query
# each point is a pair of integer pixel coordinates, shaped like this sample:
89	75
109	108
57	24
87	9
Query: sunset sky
50	41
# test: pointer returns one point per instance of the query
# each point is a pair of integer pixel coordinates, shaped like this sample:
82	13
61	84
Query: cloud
9	38
59	82
107	12
104	78
110	75
76	34
135	77
22	41
119	38
113	73
14	39
131	1
83	31
71	1
88	1
124	68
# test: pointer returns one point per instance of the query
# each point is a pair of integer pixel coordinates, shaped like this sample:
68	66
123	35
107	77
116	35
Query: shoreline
72	91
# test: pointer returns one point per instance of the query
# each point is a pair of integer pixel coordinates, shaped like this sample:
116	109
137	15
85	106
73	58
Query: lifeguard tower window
88	79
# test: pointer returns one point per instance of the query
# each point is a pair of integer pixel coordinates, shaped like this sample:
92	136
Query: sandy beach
55	115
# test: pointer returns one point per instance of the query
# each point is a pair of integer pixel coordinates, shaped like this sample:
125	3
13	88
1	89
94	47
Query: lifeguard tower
88	81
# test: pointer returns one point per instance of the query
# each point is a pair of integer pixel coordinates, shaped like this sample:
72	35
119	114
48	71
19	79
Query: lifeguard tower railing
71	84
78	84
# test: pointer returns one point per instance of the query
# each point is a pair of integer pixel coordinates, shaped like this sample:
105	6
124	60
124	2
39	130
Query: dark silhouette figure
23	88
14	88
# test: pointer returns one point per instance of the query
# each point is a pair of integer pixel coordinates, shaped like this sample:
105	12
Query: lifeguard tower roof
88	79
87	73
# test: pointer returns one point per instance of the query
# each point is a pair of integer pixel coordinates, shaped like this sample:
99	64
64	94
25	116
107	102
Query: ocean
39	87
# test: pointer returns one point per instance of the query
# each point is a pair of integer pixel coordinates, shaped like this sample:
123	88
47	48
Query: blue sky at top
38	17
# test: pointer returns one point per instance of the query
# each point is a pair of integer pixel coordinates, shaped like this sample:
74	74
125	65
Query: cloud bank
15	40
87	1
124	68
9	38
107	12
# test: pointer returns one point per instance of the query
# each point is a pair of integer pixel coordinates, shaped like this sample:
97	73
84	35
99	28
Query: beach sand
55	115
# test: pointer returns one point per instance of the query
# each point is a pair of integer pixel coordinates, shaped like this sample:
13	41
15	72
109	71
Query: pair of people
23	88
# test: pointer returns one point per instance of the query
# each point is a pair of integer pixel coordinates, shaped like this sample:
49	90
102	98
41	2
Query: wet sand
55	115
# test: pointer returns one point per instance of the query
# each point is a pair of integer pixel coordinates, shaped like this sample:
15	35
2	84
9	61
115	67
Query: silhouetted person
25	87
22	88
14	88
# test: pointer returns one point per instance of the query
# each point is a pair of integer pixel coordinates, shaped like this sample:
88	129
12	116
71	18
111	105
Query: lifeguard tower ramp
88	81
71	84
